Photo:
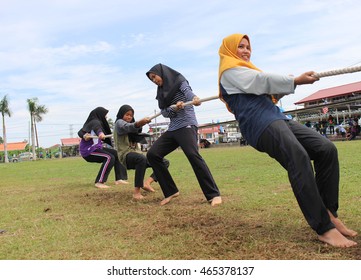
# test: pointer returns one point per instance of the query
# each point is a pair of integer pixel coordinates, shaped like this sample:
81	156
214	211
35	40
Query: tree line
36	115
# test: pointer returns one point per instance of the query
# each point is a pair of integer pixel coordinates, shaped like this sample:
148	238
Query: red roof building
70	141
341	102
18	146
331	95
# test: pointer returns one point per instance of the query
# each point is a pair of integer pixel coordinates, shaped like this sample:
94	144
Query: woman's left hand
196	101
101	136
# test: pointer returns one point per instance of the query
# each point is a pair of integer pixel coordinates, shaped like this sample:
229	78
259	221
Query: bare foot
121	182
147	187
216	201
341	226
168	199
138	196
336	239
101	186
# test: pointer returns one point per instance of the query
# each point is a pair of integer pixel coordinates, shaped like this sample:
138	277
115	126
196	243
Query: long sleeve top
87	147
121	140
122	127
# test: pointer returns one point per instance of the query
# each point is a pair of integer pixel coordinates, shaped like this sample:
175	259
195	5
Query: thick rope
187	103
337	72
95	136
318	75
172	106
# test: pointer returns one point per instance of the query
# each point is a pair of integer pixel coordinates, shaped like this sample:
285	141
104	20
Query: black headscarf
171	82
95	121
133	137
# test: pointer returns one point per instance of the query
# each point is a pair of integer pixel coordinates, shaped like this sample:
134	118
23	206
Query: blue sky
75	55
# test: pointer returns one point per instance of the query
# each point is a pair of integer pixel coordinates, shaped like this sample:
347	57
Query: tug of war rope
318	75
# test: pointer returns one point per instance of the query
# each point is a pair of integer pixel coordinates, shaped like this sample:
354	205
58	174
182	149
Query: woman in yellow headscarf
247	92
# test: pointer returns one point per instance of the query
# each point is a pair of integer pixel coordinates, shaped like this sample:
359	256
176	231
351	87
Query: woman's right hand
142	122
306	78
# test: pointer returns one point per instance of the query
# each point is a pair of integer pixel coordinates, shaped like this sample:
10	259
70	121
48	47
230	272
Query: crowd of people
348	129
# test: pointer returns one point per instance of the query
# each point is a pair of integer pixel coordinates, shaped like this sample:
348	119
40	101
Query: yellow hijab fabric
228	54
229	59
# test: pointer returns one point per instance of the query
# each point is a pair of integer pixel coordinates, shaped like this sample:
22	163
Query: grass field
50	210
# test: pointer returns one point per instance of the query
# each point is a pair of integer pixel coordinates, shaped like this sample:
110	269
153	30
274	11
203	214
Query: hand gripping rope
187	103
318	75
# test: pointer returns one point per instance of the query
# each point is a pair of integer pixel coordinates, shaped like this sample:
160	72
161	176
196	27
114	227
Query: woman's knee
151	154
166	162
298	157
141	160
330	149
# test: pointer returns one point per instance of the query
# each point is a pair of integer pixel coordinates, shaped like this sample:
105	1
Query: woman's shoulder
121	123
184	85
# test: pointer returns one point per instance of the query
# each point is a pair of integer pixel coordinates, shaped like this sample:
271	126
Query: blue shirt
247	93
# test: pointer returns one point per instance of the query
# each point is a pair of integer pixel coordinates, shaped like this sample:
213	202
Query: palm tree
36	111
4	108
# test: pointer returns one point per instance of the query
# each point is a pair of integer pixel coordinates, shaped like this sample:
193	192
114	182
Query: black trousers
294	146
186	138
140	163
109	159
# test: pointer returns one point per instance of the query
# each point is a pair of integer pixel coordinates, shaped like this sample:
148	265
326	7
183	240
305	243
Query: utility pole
71	130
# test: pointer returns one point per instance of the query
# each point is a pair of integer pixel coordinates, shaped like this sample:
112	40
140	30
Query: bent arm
244	80
122	127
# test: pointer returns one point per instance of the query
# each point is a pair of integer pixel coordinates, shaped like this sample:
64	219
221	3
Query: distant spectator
331	124
341	131
317	127
323	128
357	124
353	131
